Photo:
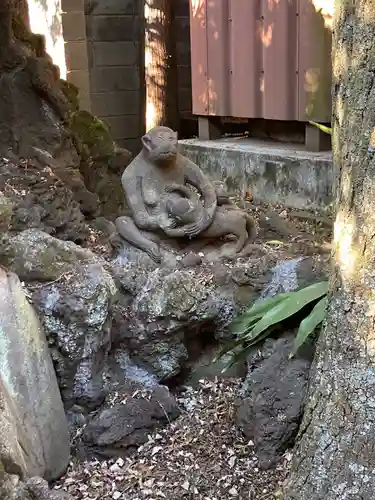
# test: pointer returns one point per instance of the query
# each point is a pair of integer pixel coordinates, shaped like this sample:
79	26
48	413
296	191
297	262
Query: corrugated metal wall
260	59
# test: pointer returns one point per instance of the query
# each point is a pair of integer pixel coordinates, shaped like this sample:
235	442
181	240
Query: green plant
258	322
323	128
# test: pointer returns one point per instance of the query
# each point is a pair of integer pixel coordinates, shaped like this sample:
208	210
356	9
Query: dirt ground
200	456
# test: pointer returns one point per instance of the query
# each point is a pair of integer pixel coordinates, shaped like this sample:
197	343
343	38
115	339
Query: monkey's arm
194	176
133	195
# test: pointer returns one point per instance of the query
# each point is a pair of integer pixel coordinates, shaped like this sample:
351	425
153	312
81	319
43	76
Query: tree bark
160	64
335	452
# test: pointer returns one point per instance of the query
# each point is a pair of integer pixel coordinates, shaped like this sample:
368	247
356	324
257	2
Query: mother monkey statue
156	173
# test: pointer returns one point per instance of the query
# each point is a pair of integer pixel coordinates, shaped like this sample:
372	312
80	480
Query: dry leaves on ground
200	456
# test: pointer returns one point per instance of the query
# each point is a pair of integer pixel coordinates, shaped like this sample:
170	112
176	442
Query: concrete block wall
104	52
115	38
76	54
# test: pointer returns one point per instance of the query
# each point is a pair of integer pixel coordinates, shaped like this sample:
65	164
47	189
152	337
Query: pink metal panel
260	59
199	55
245	63
217	45
279	43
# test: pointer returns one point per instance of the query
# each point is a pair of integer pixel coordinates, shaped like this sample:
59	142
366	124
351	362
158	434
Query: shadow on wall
46	19
282	73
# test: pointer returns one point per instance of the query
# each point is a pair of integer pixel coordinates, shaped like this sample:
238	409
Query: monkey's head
160	145
181	210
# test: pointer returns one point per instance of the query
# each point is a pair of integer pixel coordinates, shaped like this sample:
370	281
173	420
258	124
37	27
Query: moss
93	133
71	92
35	42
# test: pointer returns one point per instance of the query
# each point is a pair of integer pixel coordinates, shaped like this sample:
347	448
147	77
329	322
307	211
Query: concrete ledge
273	172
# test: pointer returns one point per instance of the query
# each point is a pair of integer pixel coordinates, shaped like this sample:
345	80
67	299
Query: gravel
200	456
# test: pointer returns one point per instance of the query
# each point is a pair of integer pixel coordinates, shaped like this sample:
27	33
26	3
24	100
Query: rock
35	255
6	212
274	225
104	162
34	488
312	269
163	310
65	163
191	260
293	274
126	425
9	485
272	398
34	433
167	306
32	116
41	200
104	226
38	488
76	315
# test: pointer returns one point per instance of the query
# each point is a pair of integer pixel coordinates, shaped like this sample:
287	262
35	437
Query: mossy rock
35	255
71	92
93	133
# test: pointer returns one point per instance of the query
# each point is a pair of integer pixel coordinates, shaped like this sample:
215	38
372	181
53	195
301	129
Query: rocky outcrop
161	311
103	162
34	433
41	200
76	315
35	256
273	396
73	295
71	157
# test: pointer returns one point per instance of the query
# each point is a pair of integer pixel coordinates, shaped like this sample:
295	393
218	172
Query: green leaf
248	346
288	307
308	325
323	128
237	357
259	309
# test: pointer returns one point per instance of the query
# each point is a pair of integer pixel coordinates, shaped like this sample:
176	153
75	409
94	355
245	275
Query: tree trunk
335	452
160	73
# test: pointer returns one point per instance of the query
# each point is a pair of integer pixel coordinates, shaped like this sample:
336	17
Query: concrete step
276	173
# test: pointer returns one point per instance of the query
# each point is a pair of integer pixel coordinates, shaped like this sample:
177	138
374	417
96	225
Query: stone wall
104	58
76	55
115	38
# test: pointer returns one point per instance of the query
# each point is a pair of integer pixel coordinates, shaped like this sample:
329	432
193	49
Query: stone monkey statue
160	173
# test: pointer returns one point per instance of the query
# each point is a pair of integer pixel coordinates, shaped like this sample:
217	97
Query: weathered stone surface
273	397
33	116
35	255
126	425
76	314
41	200
275	173
34	434
35	488
166	212
6	212
162	309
